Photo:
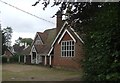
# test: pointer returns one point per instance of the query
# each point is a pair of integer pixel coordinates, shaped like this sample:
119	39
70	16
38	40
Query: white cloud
25	25
21	34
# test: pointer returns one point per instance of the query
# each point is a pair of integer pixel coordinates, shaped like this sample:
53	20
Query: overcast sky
25	25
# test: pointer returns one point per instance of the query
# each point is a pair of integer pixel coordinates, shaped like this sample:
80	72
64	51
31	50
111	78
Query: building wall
68	62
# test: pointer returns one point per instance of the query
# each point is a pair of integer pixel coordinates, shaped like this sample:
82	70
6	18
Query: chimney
59	21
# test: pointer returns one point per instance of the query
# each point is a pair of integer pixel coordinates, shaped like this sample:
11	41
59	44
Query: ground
23	72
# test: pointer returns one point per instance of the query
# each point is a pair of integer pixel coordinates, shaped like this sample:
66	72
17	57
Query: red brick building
67	48
58	47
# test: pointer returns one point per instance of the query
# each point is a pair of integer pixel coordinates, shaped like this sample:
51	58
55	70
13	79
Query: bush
102	59
4	59
14	59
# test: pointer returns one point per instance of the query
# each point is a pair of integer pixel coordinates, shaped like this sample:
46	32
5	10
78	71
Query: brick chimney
59	21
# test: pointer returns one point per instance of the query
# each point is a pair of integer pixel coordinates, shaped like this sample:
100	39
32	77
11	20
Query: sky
25	25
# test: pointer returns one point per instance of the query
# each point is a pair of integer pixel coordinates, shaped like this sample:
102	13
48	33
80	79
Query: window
34	55
38	42
67	48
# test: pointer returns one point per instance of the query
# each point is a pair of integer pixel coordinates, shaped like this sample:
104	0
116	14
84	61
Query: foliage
14	59
6	38
8	35
102	60
24	40
4	59
4	47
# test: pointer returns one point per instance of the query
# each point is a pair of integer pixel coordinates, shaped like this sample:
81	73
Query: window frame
70	45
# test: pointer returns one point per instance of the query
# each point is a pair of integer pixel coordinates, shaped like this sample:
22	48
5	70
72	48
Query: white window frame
69	46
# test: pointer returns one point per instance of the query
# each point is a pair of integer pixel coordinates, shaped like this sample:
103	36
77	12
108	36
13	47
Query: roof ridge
49	29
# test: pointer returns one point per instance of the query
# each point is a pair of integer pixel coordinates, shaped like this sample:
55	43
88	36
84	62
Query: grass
21	72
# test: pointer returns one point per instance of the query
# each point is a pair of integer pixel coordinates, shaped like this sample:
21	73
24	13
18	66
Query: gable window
67	48
38	42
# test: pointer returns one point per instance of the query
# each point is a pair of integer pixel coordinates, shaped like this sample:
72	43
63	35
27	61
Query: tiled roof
47	37
18	49
26	51
43	36
42	49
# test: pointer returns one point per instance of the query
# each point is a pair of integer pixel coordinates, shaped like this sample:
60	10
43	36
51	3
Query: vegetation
6	38
99	24
102	60
24	40
4	59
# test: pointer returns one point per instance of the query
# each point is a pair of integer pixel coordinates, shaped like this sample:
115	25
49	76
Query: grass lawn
22	72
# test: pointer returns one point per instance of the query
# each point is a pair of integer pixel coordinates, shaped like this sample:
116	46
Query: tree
18	40
24	40
7	32
102	59
6	38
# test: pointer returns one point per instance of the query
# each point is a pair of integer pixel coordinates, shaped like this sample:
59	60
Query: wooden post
19	59
45	60
31	58
36	59
24	58
50	61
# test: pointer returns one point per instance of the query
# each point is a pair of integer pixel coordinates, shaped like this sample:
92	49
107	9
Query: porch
42	59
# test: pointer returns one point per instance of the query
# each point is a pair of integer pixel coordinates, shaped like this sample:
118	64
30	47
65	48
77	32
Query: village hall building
58	47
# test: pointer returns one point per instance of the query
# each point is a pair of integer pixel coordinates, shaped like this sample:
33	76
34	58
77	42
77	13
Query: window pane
69	47
72	48
72	42
63	47
63	53
67	43
69	53
72	53
63	43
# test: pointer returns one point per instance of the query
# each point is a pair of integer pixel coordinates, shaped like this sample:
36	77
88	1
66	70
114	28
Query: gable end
66	31
37	35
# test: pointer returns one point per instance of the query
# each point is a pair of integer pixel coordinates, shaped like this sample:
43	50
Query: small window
38	42
67	48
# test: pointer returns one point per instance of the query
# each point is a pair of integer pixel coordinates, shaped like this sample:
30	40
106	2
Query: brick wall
68	62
